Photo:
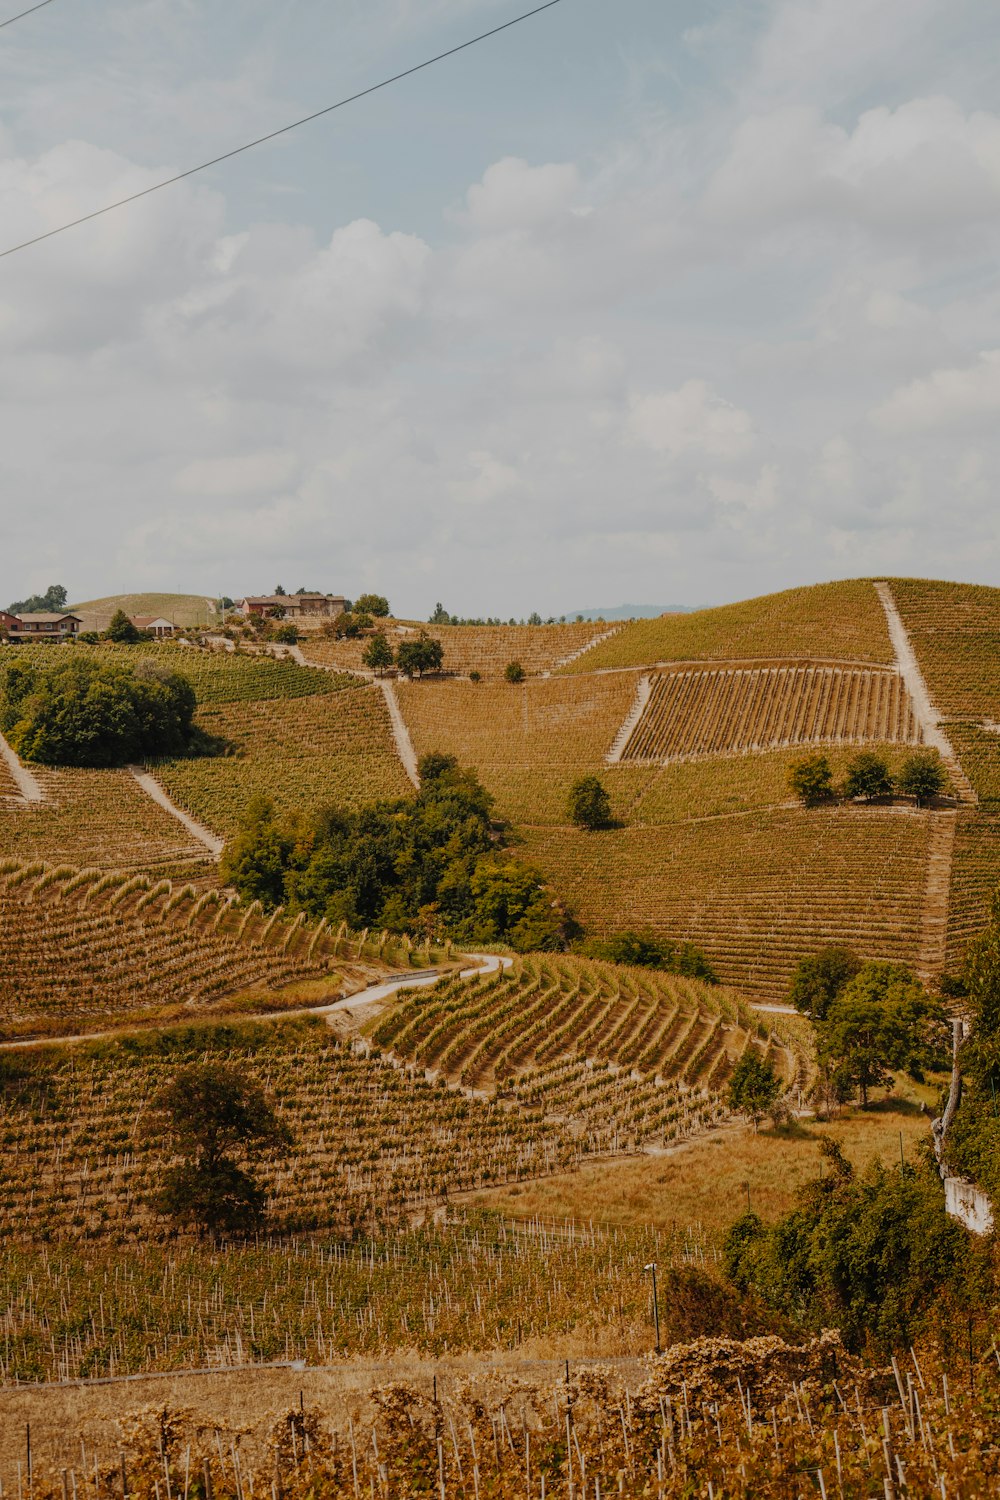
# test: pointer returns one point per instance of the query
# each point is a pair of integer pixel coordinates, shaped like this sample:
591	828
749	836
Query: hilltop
182	609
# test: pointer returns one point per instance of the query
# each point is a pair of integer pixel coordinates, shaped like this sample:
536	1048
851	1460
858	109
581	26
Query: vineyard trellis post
651	1267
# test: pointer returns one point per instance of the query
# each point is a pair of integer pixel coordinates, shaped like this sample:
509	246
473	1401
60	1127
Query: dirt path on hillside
26	783
400	733
932	955
643	690
198	831
927	715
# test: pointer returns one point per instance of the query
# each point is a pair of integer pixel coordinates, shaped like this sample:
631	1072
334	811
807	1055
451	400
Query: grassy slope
182	609
843	621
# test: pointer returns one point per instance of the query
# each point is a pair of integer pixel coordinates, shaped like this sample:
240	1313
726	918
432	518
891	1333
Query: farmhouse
294	606
8	621
155	625
45	626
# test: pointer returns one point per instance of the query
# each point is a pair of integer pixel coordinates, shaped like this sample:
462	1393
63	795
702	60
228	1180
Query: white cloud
691	419
955	398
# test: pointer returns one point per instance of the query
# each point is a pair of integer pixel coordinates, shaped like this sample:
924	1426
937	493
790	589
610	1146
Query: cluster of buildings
50	625
304	609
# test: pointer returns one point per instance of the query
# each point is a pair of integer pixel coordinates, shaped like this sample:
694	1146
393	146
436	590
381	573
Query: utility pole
656	1304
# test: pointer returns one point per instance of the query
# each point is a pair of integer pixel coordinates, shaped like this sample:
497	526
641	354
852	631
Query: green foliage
373	604
973	1143
52	601
212	1116
439	615
427	863
921	776
754	1086
377	655
881	1020
811	779
647	950
84	712
819	979
424	654
874	1255
285	635
122	631
514	672
589	804
868	776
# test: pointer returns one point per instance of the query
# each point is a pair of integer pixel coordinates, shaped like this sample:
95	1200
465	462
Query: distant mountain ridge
634	611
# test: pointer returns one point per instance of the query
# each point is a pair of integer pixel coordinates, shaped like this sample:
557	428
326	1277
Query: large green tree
589	804
420	655
811	779
819	979
83	712
882	1020
922	776
217	1121
377	655
868	776
754	1086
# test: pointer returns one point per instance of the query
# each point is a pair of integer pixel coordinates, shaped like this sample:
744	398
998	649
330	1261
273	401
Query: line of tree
868	777
647	950
83	712
413	657
440	616
430	863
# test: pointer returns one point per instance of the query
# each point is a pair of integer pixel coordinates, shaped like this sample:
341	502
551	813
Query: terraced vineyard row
79	948
485	649
955	631
579	1038
371	1143
301	753
738	709
831	621
96	817
217	675
757	892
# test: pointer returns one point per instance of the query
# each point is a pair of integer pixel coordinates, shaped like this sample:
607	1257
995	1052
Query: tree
754	1087
279	590
819	979
284	635
439	615
52	601
122	631
424	654
514	672
867	776
589	803
216	1120
373	604
534	618
811	779
921	776
883	1019
88	713
377	655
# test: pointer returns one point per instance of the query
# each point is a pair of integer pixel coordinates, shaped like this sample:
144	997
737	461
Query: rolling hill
182	609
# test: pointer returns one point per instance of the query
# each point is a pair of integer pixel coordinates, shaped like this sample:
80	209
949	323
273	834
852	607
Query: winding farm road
154	790
488	963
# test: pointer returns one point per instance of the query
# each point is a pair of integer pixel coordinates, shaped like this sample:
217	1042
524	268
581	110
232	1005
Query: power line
22	13
283	130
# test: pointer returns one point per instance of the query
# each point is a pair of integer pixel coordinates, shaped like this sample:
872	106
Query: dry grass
840	621
704	1183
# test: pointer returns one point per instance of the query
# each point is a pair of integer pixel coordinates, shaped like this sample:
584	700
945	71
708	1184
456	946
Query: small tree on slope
754	1087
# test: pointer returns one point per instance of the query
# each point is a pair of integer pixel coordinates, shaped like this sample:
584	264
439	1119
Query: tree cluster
870	1254
88	713
921	776
428	864
440	616
646	949
53	601
871	1019
972	1145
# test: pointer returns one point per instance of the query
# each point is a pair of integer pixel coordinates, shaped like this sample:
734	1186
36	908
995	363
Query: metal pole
656	1305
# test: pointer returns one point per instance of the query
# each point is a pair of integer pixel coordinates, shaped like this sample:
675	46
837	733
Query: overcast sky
640	302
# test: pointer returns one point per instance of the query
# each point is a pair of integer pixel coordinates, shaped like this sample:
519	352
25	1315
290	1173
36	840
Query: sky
637	301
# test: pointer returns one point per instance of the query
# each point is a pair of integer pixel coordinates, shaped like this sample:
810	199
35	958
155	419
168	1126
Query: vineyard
737	709
78	948
757	892
181	609
96	818
216	674
485	649
585	1039
753	1418
838	622
301	752
527	742
955	630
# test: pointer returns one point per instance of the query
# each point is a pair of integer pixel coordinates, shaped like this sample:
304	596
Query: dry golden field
830	621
